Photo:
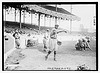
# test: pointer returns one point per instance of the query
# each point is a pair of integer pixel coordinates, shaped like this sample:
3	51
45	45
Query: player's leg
54	55
46	57
17	43
47	45
50	48
55	49
44	44
88	46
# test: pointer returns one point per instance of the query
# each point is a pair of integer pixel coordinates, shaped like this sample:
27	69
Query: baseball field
68	58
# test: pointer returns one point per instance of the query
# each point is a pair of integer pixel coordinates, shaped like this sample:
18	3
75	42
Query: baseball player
53	46
17	38
46	40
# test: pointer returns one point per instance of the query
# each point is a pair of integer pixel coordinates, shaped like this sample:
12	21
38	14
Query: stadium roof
50	10
61	10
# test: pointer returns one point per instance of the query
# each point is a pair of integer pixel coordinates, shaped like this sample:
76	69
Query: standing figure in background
17	38
86	43
46	39
53	46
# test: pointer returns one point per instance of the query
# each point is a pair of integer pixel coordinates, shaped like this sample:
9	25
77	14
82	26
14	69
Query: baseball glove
59	43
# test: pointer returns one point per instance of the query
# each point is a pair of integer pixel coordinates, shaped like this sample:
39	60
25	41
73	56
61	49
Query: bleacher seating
27	28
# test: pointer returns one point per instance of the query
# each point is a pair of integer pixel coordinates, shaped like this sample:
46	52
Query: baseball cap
56	25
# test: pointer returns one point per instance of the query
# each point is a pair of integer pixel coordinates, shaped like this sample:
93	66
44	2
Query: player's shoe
46	57
55	59
44	50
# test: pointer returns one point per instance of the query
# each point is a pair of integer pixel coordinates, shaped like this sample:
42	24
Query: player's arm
45	35
62	31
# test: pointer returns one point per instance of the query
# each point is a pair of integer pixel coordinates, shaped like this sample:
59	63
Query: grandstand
25	27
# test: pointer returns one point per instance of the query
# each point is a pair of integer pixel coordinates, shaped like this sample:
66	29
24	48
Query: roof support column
70	26
59	21
44	20
55	20
50	21
24	16
20	16
15	14
56	17
31	18
39	21
4	15
71	20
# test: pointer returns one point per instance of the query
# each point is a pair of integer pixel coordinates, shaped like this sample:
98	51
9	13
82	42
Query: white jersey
46	35
53	34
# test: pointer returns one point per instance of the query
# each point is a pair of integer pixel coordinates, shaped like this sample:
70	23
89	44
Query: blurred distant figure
46	39
86	43
82	44
79	45
17	38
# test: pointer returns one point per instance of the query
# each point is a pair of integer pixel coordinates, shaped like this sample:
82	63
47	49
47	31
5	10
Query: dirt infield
8	44
67	58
